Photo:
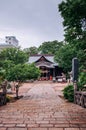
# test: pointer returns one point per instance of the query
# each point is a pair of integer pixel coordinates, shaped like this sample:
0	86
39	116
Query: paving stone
21	125
11	122
56	129
72	129
74	125
32	125
82	125
59	122
46	125
29	122
1	125
82	128
9	125
2	128
37	128
42	122
17	129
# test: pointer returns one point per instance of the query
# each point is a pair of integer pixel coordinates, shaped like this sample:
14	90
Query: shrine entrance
46	73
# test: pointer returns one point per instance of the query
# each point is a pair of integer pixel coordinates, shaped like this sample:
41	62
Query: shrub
79	86
82	78
8	98
69	93
23	72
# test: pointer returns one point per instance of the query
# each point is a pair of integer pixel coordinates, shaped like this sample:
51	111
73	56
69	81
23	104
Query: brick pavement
41	108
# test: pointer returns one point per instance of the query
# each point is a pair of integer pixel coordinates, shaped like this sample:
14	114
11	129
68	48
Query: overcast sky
31	21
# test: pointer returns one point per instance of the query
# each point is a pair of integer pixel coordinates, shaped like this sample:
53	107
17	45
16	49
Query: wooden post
4	92
75	75
54	79
17	90
75	89
75	69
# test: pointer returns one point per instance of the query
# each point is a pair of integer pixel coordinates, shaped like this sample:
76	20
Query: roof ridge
42	55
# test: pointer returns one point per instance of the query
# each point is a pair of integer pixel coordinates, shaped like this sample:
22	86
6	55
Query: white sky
31	21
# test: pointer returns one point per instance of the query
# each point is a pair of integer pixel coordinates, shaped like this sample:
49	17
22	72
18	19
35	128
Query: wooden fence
79	97
3	93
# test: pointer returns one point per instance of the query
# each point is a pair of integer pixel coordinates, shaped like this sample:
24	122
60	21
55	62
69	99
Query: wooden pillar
75	89
54	74
75	75
75	67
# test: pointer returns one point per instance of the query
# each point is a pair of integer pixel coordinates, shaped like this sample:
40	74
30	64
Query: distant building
49	69
10	42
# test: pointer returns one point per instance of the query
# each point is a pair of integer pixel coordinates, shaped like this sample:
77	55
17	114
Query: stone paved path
42	109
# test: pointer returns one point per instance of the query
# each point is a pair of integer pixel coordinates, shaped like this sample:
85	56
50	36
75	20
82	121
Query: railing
80	98
2	98
3	93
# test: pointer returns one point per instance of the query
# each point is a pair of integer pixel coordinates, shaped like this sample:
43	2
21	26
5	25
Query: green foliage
31	50
34	72
14	68
82	78
13	55
8	98
64	57
7	64
79	86
81	55
22	72
74	15
69	93
50	47
74	21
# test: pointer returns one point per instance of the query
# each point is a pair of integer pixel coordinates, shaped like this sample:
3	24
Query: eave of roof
48	66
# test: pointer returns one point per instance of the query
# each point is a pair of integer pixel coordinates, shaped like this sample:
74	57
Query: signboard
75	69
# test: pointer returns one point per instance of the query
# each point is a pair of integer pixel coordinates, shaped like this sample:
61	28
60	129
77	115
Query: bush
82	78
23	72
8	98
69	93
79	86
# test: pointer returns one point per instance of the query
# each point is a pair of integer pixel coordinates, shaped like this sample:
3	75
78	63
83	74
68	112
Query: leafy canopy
31	50
74	21
50	47
74	15
64	57
22	72
14	67
14	55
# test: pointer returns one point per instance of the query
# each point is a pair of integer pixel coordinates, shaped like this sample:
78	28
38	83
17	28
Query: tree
22	72
9	58
31	50
64	57
74	15
50	47
74	21
14	67
14	55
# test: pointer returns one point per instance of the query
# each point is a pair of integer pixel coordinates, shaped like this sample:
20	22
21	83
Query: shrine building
49	69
